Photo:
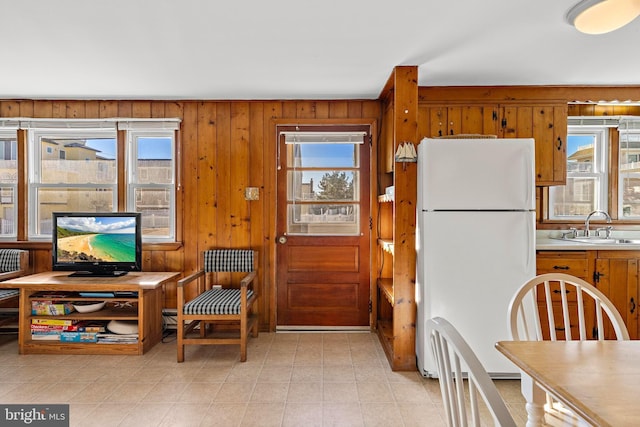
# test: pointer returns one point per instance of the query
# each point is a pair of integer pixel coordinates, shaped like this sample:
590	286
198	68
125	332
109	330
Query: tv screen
98	244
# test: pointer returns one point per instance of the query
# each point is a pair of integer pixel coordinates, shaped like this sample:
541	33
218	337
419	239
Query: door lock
282	239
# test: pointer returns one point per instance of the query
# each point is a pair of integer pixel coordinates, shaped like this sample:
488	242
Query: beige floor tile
340	392
263	415
290	379
224	415
184	415
270	392
305	392
305	414
336	414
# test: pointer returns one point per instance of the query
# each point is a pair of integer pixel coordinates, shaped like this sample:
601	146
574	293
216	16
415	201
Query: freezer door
477	174
471	265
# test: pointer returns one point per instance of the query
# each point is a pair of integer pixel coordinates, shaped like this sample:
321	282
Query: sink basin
628	241
601	241
595	240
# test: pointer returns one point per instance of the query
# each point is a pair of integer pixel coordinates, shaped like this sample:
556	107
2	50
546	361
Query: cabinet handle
559	147
557	291
632	305
560	267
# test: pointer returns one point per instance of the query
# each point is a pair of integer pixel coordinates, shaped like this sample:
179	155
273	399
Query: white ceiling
296	49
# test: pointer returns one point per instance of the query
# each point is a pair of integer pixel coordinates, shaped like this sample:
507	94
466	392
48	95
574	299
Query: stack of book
66	330
107	338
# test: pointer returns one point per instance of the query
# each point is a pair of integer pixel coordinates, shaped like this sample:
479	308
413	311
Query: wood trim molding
428	94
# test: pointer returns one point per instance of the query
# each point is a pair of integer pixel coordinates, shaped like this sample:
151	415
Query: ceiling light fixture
603	16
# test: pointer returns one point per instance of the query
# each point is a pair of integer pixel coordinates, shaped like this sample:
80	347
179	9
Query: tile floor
289	379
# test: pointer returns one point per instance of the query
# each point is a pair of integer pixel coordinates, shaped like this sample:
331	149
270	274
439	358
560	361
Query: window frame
35	137
133	172
30	132
11	134
600	171
622	175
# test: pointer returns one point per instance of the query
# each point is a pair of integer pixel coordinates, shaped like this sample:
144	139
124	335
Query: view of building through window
77	171
585	190
323	188
8	184
629	182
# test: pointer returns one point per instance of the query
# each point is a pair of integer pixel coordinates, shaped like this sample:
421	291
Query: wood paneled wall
225	146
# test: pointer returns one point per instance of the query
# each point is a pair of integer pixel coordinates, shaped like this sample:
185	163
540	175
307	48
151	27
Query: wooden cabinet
441	120
546	123
144	305
614	273
575	263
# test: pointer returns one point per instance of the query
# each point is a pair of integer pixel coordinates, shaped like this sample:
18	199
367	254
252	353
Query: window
586	187
8	182
151	181
61	180
629	172
75	165
323	181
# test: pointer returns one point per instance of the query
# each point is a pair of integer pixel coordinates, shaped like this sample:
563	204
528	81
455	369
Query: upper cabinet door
547	124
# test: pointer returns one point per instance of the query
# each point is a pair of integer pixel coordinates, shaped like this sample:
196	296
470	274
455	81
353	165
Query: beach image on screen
96	239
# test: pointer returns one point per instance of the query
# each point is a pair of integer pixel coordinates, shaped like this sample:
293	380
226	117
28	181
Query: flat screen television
97	243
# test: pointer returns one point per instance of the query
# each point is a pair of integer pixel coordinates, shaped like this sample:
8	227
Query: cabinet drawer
556	295
560	327
574	267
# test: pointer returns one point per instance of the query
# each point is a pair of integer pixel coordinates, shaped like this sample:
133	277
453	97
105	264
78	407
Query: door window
323	191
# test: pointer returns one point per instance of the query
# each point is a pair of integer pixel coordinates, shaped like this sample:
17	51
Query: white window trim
600	168
97	127
633	129
35	161
132	178
10	133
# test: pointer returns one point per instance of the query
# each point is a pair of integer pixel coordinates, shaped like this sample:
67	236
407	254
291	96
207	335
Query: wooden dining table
598	380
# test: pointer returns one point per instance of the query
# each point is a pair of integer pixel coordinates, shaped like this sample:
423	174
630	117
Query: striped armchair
220	299
13	263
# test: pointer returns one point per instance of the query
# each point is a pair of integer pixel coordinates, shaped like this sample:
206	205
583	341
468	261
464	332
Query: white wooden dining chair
559	306
455	362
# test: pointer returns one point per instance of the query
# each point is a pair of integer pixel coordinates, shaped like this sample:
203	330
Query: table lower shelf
56	347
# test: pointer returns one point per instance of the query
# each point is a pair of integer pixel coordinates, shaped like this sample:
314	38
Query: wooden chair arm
190	278
247	279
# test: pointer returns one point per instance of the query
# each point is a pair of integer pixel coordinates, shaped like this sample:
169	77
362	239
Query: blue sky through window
576	141
325	156
148	147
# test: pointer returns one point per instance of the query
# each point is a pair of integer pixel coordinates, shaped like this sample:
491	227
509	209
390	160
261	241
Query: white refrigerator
475	241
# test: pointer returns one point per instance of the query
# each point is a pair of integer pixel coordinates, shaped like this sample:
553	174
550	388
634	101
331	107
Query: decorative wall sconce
406	153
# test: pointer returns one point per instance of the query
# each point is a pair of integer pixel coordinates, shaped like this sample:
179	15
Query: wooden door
323	226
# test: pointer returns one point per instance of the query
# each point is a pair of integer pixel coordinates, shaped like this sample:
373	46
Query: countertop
544	241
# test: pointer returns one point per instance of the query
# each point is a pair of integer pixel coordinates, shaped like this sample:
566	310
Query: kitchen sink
601	240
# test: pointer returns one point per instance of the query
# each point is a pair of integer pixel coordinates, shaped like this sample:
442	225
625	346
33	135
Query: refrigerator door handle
530	168
530	245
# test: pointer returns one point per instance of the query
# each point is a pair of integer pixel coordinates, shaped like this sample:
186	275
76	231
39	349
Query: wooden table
598	380
144	306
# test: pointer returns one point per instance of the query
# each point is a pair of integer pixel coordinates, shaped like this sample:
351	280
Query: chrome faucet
586	223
